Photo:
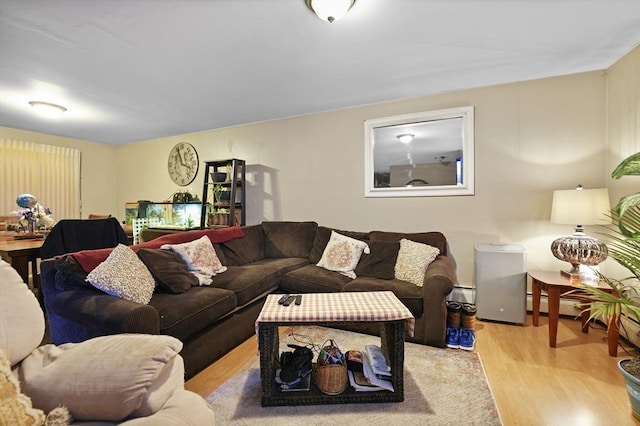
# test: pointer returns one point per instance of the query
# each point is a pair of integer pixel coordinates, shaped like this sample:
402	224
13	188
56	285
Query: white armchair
128	379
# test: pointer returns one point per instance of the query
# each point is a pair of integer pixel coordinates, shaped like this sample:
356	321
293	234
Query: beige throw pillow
342	254
124	275
200	258
413	260
15	407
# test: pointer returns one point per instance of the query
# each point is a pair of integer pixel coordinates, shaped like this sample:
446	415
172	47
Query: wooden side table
555	285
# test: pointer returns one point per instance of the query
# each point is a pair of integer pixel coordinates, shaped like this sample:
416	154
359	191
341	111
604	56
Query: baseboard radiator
629	329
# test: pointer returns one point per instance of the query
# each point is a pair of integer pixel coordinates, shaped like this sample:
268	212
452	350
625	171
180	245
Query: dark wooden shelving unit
235	183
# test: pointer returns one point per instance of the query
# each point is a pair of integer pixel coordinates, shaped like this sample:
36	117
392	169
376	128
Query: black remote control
298	299
289	300
283	299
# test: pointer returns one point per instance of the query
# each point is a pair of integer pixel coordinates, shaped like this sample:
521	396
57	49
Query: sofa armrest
183	408
105	314
438	283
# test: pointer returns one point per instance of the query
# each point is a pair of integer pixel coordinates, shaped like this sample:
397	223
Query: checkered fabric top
367	306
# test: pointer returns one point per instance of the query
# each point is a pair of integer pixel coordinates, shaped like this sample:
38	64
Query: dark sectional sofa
269	257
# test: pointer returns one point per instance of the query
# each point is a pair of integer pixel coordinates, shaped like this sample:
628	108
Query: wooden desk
555	285
18	253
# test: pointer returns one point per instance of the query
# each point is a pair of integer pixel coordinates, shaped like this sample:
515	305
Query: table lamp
580	207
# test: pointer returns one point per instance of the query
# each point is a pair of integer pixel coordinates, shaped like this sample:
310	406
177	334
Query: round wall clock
183	163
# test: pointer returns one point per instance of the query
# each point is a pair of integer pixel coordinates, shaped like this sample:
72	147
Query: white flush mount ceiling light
406	138
47	109
330	10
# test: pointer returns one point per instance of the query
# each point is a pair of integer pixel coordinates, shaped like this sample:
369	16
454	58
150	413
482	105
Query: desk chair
98	216
71	235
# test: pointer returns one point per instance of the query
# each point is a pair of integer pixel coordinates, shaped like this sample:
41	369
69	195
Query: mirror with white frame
420	155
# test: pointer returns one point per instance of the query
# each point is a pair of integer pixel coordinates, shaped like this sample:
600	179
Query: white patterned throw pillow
200	258
342	254
413	260
124	275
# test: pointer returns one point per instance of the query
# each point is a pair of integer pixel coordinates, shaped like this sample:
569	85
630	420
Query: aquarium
170	215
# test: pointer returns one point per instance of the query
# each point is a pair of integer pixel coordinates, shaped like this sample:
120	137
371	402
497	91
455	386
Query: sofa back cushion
247	249
168	269
380	262
435	239
288	239
322	237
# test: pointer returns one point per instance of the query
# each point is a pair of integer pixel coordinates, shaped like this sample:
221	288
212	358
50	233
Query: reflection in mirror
421	154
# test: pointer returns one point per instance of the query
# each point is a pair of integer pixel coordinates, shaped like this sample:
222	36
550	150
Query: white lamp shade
581	207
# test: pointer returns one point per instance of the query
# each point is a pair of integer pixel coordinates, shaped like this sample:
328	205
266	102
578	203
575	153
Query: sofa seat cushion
248	281
184	315
285	264
313	279
409	294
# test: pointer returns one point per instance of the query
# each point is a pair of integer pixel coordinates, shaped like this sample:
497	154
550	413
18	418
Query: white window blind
50	173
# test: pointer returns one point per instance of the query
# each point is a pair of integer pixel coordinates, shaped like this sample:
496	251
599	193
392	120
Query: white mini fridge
501	282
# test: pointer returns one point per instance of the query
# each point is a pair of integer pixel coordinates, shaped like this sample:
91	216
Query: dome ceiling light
47	109
330	10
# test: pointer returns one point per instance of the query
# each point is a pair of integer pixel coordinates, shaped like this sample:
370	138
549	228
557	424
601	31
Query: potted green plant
623	243
218	214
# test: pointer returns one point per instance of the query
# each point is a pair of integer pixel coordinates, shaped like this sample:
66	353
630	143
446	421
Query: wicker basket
331	378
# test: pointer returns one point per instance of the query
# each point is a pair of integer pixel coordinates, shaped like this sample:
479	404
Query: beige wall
623	119
97	169
623	126
531	138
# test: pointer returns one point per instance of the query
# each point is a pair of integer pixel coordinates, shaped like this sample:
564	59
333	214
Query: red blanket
89	259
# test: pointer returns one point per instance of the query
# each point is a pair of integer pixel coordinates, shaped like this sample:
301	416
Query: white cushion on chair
106	378
21	318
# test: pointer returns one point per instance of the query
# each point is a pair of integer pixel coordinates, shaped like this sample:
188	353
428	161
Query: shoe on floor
467	339
453	337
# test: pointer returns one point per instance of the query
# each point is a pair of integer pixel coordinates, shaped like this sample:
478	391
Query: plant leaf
628	213
629	166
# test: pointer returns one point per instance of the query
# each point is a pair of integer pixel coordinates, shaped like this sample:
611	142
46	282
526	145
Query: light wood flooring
576	383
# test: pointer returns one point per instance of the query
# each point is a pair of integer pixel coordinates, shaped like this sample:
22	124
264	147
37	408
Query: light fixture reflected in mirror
406	138
47	109
330	10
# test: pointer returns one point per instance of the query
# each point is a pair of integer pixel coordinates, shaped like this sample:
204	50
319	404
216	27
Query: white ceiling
138	70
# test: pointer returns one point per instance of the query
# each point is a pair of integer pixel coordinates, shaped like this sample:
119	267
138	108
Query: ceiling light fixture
405	138
47	109
330	10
